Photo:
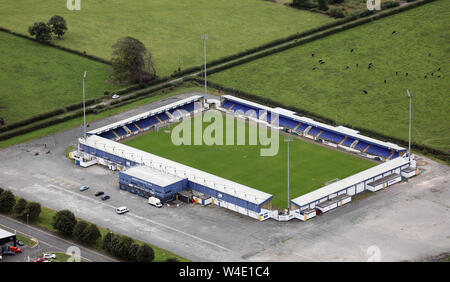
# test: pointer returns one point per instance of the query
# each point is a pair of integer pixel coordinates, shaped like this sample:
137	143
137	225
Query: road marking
143	218
51	235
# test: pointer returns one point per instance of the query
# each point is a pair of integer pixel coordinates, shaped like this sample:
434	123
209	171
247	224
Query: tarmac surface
408	221
46	242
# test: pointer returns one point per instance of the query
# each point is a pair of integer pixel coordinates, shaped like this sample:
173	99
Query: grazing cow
432	74
385	81
425	77
438	76
406	74
356	65
312	55
396	73
429	54
347	67
351	50
394	32
365	92
439	69
314	68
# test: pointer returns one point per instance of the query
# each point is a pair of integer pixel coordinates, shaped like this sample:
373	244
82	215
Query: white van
154	202
121	210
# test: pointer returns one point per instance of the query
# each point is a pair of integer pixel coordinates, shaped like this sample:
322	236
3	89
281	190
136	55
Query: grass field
419	47
170	29
35	78
311	165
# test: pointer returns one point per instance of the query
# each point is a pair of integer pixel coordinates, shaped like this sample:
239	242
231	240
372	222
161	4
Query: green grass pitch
35	78
419	47
311	165
171	29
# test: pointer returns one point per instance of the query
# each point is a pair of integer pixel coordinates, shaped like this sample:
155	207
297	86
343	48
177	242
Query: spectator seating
132	127
314	131
378	151
361	145
108	135
333	137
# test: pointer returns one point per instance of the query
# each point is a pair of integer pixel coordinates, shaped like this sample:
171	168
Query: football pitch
311	165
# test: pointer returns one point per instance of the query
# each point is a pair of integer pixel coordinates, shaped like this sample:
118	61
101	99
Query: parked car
20	243
49	256
15	249
40	260
121	210
155	202
99	193
84	188
1	257
106	197
8	253
115	96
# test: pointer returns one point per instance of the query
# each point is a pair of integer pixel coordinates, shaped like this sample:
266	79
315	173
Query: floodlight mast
84	108
288	140
205	37
409	142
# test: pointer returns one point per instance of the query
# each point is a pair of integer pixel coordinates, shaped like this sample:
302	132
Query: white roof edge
145	114
290	114
349	181
179	170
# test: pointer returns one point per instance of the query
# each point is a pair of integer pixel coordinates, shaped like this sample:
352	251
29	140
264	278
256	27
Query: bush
1	190
107	241
64	222
145	253
323	5
171	260
337	12
133	251
7	201
307	4
79	229
91	234
33	210
335	1
20	207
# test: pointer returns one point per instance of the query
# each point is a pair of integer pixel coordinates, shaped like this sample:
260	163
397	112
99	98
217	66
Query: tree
20	206
115	245
64	222
33	210
91	234
41	30
133	251
145	253
171	260
132	62
107	240
124	247
7	201
79	229
1	190
58	25
323	5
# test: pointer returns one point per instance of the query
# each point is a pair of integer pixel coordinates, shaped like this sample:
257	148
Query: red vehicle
40	260
15	249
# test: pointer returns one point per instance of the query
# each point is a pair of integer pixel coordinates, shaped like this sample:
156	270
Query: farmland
407	51
170	29
35	78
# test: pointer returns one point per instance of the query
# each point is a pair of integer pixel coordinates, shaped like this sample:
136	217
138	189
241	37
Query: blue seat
120	131
361	145
314	131
375	150
227	104
286	122
163	116
132	127
348	141
330	136
108	135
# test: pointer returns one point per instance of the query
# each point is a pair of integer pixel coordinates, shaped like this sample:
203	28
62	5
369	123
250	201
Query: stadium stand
132	127
339	135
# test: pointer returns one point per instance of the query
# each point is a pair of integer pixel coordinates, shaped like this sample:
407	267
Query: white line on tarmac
143	218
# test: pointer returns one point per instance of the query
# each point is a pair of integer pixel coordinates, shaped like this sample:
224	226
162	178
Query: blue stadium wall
106	156
226	197
147	189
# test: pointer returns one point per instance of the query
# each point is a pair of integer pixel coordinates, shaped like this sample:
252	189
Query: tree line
66	224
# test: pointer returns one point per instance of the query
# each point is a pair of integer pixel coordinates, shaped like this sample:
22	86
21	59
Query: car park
106	197
99	193
84	188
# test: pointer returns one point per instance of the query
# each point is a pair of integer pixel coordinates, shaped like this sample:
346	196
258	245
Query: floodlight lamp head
84	75
409	94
